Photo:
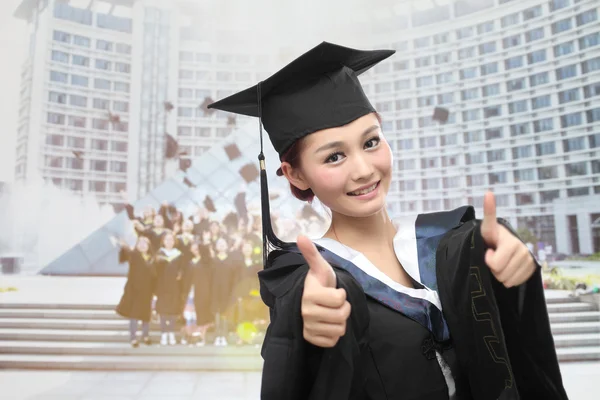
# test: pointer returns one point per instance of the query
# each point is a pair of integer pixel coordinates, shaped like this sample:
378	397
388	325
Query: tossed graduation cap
232	151
441	114
240	205
205	106
172	146
249	172
209	204
184	164
78	154
318	90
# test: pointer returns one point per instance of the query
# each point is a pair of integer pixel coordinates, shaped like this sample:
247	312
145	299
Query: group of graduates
194	273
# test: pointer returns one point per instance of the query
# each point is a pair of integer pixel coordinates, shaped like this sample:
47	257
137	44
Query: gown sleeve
293	368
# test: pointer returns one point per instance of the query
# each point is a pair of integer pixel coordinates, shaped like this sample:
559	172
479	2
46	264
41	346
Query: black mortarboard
441	114
249	172
318	90
240	205
209	204
232	151
172	146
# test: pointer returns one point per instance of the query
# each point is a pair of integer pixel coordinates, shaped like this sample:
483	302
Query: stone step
561	299
125	349
575	328
60	314
577	354
570	307
132	363
577	340
56	306
66	324
585	316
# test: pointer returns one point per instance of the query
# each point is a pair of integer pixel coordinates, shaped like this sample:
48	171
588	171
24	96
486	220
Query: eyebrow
332	145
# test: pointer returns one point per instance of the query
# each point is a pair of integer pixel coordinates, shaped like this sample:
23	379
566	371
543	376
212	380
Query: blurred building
521	80
105	80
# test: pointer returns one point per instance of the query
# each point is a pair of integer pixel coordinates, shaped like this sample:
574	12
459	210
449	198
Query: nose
362	168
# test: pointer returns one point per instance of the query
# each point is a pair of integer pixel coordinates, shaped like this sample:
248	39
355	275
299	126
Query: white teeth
364	191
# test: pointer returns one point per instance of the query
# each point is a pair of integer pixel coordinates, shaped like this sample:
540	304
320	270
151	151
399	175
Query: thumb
318	267
489	226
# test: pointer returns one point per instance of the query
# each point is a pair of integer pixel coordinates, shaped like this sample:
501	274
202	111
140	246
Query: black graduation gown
202	280
184	245
223	276
168	290
385	355
246	287
136	302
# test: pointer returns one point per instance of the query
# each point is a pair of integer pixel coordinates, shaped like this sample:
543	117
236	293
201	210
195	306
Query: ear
294	176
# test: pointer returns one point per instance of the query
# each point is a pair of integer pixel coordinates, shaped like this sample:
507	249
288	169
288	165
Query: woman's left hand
508	258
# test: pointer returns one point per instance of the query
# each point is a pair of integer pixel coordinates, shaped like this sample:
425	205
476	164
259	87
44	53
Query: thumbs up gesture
508	258
324	308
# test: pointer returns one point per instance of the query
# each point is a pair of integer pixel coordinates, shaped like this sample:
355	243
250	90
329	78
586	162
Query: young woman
168	304
184	241
136	302
223	274
445	307
201	268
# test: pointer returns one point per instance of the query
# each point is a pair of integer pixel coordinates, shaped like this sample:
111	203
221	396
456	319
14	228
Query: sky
13	43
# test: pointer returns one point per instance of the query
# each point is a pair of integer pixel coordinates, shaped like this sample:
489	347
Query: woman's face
188	226
221	245
214	228
169	241
142	245
159	222
348	168
195	249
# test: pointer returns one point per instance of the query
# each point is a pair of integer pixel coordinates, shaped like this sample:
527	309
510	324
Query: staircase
93	337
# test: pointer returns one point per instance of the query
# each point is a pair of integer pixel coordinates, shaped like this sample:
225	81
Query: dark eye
333	158
373	142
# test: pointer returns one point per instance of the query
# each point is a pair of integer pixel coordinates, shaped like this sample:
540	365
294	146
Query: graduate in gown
184	242
136	302
169	270
154	232
444	307
201	266
223	275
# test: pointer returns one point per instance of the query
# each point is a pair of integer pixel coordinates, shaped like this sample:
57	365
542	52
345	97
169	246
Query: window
401	65
431	184
536	56
491	90
403	104
524	175
440	38
509	20
541	102
73	14
496	155
492	111
465	53
402	84
511	41
566	72
471	115
591	40
121	106
444	78
470	94
576	169
449	140
430	162
580	191
564	49
186	74
427	142
452	182
593	115
497	177
60	77
187	112
421	42
120	147
76	142
534	34
543	125
472	137
383	87
74	184
539	79
404	124
493	133
60	56
425	101
587	17
123	48
103	84
476	180
558	4
103	64
122	126
515	84
101	104
489	68
487	48
423	61
60	36
97	186
513	62
574	144
568	95
591	90
590	65
548	196
118	166
425	122
468	73
406	164
119	24
532	12
517	106
81	60
55	140
546	148
56	97
548	172
98	165
104	45
572	119
443	58
594	140
425	81
118	187
82	41
474	158
55	118
445	98
522	152
384	106
78	122
121	87
79	80
78	101
244	76
519	129
100	124
465	32
485	27
98	144
562	25
524	199
596	167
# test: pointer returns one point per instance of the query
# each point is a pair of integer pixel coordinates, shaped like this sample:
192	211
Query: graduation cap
232	151
172	146
240	205
113	118
209	204
231	221
168	106
318	90
441	114
188	183
78	154
249	172
205	106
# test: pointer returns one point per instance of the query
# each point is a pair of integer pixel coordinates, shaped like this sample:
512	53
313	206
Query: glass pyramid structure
213	174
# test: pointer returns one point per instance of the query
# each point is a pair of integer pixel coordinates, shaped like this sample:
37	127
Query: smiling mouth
364	191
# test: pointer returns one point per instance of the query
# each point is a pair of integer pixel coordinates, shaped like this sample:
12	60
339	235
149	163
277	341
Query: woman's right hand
325	309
